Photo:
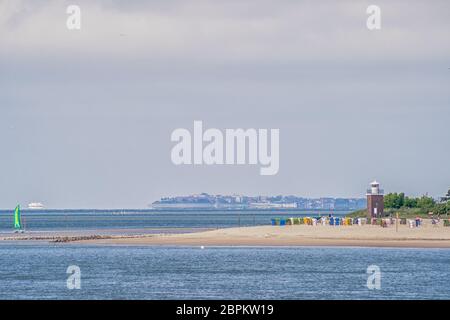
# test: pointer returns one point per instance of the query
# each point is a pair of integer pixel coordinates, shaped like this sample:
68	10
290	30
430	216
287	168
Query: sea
38	270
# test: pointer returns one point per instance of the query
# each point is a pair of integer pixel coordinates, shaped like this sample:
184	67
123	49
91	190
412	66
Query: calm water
38	271
113	272
43	221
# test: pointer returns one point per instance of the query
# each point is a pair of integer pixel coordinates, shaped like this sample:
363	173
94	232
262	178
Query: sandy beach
427	236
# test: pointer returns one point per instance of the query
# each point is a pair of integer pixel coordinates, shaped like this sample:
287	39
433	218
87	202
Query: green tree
400	200
425	202
389	200
394	200
410	202
442	208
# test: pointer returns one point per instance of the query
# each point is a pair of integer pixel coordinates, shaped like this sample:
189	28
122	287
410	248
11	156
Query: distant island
206	201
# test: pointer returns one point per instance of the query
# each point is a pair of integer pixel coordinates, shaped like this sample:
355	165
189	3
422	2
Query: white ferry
35	205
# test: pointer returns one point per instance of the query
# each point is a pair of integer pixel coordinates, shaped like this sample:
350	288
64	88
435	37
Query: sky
86	115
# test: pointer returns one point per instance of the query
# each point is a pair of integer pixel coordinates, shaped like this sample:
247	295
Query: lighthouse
375	200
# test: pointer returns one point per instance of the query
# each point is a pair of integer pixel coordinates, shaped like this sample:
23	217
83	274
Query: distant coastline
190	210
244	202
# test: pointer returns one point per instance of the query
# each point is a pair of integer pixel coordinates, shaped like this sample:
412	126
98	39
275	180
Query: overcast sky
86	116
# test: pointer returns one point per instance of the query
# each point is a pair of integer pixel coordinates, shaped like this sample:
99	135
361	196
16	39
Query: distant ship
35	205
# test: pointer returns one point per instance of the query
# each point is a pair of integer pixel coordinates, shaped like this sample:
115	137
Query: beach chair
282	222
435	222
417	221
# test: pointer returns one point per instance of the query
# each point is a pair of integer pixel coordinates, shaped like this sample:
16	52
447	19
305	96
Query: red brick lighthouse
375	201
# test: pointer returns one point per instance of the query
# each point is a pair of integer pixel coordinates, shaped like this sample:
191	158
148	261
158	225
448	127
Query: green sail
17	219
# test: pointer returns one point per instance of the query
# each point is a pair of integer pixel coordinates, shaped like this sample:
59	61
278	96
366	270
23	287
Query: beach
301	235
426	236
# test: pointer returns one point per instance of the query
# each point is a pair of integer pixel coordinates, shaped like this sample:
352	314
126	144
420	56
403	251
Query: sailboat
18	220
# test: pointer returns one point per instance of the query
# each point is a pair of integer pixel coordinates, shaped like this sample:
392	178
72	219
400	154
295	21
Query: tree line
426	203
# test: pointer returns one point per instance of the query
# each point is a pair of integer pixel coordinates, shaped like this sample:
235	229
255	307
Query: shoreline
426	236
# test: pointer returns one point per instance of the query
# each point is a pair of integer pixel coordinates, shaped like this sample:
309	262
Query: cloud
88	114
228	30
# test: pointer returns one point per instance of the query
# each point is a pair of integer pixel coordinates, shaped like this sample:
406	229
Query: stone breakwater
65	239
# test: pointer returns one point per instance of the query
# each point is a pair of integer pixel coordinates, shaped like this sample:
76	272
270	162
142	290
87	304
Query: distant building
236	201
341	204
361	203
272	205
375	200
